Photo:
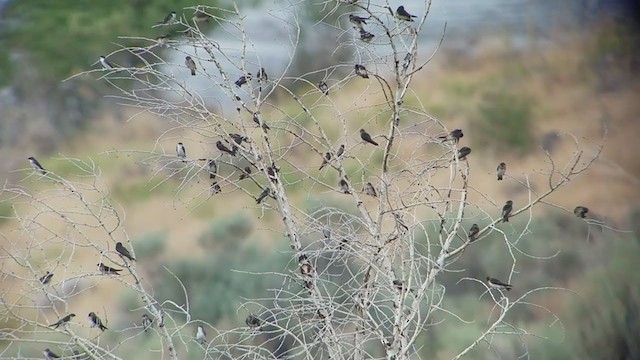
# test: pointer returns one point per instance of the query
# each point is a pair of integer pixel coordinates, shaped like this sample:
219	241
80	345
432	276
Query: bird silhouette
506	210
402	14
502	169
123	251
366	137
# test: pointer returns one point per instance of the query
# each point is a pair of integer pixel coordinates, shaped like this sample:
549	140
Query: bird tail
193	72
374	143
212	176
505	219
499	177
103	328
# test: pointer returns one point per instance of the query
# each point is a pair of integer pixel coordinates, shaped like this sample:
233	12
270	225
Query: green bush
227	232
6	211
150	245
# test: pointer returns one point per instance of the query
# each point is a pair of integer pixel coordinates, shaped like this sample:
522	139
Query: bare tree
367	261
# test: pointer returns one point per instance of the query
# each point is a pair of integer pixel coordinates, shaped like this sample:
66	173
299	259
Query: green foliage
503	122
150	245
227	232
141	190
6	210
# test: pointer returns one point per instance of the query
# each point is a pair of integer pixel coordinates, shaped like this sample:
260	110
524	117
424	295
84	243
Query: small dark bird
46	278
502	168
238	138
262	75
146	322
263	195
581	211
326	231
48	355
400	285
323	87
123	251
96	322
225	149
170	19
191	65
181	151
271	173
473	232
361	71
403	15
257	121
36	165
370	190
201	16
253	321
454	135
201	335
106	270
325	160
506	210
105	64
358	21
245	174
366	137
497	284
340	151
62	321
366	36
344	186
463	152
213	168
215	188
243	80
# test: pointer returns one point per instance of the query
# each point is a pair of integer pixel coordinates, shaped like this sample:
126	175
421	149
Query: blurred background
518	75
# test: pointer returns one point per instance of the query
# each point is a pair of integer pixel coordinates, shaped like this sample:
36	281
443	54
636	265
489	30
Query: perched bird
238	138
473	232
366	36
271	173
243	80
215	188
323	87
105	64
262	75
361	71
163	41
325	160
366	137
213	168
170	19
96	322
201	16
403	15
181	151
497	284
253	321
454	135
502	168
506	210
326	231
581	211
344	186
263	195
340	151
146	322
48	354
46	278
400	285
191	65
62	321
245	174
36	165
257	121
201	335
358	21
370	190
225	149
106	270
123	251
463	152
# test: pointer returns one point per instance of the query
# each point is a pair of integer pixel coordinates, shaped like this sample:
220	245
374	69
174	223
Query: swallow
225	149
213	168
506	210
366	36
239	138
262	75
473	232
403	15
340	151
48	354
106	270
163	41
323	87
257	121
62	321
370	190
245	174
170	19
344	186
361	71
215	188
201	16
358	21
243	80
463	152
181	151
326	231
497	284
191	65
46	278
366	137
400	285
502	168
454	135
325	160
253	321
146	322
36	165
581	211
96	322
123	251
271	173
201	335
263	195
105	64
